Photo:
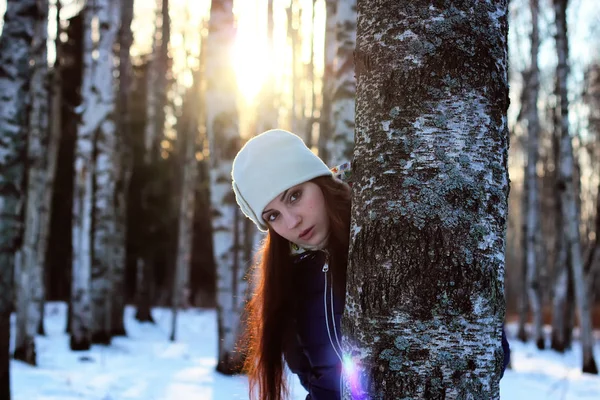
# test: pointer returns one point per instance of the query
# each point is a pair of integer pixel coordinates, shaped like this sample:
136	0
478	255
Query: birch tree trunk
570	214
30	282
326	123
341	144
106	160
425	307
15	54
124	168
94	111
267	116
532	225
224	142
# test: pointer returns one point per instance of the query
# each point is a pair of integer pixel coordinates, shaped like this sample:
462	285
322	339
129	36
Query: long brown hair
269	310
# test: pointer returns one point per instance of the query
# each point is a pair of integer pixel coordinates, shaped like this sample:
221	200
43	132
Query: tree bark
155	123
532	203
106	158
224	141
425	305
30	280
326	122
15	76
267	115
569	209
181	281
341	145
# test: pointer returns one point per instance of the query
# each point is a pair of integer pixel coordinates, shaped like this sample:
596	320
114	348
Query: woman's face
298	214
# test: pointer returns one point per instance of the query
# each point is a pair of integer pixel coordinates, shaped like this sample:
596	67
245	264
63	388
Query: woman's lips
305	235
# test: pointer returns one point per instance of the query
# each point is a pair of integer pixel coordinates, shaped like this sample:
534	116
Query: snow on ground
147	366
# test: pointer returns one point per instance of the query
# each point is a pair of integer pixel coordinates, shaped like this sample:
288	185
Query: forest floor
146	365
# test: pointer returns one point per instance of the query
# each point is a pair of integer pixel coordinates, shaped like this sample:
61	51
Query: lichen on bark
425	306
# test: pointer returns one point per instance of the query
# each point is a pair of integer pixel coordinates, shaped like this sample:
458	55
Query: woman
299	297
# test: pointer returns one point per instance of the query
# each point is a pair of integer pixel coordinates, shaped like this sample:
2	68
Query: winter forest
474	132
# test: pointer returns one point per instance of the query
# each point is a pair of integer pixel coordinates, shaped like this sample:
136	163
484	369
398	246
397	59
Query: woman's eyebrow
283	195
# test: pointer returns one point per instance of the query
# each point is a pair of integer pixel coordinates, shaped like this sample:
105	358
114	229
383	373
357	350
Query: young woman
299	296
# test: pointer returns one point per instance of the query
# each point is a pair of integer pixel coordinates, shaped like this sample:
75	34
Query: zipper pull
326	265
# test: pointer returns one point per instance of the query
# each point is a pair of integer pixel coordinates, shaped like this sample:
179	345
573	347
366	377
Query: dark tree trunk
425	303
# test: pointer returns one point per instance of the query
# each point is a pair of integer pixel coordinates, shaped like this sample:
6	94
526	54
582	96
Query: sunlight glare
251	58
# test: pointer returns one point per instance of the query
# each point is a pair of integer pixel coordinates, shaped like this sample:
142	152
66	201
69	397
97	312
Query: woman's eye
295	196
271	217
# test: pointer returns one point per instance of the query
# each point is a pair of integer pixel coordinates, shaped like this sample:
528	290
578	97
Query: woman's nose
293	220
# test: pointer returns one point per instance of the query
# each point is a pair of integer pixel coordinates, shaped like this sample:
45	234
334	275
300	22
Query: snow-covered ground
147	366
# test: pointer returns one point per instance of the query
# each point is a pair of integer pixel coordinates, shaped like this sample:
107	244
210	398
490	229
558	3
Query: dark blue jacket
308	348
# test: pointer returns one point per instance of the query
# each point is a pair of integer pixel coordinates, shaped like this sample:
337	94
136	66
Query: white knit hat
267	165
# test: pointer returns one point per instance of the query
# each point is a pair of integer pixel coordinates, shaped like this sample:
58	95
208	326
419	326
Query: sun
252	65
252	61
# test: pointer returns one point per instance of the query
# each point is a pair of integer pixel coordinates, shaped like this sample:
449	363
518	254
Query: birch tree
341	144
15	76
95	138
531	194
224	142
570	215
326	123
425	307
106	159
124	166
30	279
267	115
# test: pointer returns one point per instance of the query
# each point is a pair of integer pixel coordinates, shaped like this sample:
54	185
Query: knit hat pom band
267	165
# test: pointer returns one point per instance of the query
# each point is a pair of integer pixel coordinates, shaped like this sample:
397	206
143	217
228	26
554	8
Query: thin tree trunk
560	311
341	145
155	120
326	121
224	142
532	202
567	187
181	281
106	158
267	115
124	167
15	55
524	293
94	112
429	201
30	279
55	133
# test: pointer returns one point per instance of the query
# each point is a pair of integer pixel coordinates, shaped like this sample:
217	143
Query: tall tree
55	134
155	125
562	300
15	77
425	307
93	218
570	214
187	199
224	141
106	160
30	279
326	122
267	114
124	167
341	144
531	194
